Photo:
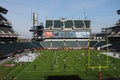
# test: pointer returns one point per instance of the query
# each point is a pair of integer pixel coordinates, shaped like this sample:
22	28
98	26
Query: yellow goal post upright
89	57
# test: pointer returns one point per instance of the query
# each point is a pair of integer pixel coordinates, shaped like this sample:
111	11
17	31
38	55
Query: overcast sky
102	13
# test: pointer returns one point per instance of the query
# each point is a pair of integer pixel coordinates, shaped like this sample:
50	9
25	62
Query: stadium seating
46	44
6	30
100	44
36	43
83	44
57	44
78	24
82	23
49	23
9	48
115	46
68	24
92	43
58	24
3	10
72	44
87	23
62	44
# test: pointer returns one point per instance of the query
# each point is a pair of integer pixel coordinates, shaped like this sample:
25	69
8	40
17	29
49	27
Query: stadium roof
3	10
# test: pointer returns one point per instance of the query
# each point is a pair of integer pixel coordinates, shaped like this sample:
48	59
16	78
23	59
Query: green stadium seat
49	23
78	24
68	24
99	44
83	44
82	23
57	44
92	43
58	24
46	44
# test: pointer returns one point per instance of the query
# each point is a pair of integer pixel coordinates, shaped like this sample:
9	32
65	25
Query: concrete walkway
6	60
10	58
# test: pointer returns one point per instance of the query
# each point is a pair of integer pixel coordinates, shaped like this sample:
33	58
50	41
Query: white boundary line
12	71
25	69
66	71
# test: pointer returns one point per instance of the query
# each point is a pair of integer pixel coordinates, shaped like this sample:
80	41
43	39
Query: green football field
63	65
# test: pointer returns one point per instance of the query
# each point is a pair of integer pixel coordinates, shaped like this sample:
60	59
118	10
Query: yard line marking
31	78
50	71
91	78
62	71
12	71
25	68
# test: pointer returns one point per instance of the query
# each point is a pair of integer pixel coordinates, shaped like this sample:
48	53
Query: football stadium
62	49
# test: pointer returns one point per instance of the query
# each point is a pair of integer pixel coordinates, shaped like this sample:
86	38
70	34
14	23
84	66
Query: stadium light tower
37	29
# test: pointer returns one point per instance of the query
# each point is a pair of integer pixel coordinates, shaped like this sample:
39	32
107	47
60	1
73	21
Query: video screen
82	34
67	34
49	34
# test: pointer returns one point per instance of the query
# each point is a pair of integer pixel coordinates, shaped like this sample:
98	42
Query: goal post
99	67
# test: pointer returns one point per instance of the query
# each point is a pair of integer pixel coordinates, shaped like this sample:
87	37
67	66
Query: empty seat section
74	44
78	24
82	23
101	43
49	23
57	44
46	44
87	23
7	48
58	24
83	44
92	43
68	24
115	46
6	30
37	43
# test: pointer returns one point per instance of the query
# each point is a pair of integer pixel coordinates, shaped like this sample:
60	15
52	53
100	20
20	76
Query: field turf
63	65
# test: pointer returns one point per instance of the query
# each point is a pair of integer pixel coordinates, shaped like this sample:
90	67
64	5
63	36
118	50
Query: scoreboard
67	34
